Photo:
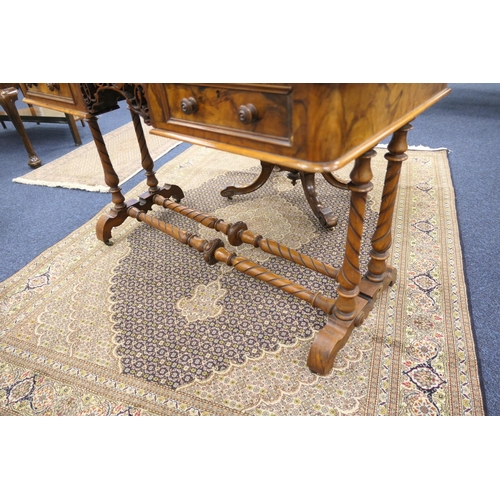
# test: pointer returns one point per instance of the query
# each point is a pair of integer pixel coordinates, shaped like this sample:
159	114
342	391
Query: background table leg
8	96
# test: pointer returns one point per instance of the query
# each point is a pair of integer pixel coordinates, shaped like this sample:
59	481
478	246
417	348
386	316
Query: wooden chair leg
8	97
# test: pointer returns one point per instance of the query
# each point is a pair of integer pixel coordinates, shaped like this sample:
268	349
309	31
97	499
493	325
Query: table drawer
256	110
51	92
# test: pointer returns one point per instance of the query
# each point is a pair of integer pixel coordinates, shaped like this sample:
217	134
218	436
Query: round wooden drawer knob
189	105
248	114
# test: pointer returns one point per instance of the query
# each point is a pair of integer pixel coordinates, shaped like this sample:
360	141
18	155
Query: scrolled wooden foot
172	191
34	161
228	192
116	216
331	338
113	218
336	332
324	214
326	217
267	169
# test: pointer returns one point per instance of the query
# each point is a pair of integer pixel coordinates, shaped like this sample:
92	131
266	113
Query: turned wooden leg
382	238
324	214
118	213
8	96
350	275
146	160
74	129
350	309
168	190
267	169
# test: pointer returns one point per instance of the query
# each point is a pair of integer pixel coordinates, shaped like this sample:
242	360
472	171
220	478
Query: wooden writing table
307	129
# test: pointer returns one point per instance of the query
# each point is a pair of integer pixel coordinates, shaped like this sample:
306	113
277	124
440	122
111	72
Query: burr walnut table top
314	127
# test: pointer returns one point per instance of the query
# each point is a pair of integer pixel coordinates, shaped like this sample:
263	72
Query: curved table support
332	337
324	214
335	334
332	180
357	295
267	169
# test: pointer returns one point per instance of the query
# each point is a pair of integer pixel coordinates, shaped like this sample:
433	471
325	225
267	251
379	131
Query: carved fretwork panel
100	96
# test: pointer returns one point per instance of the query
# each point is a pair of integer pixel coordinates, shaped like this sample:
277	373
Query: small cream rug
82	168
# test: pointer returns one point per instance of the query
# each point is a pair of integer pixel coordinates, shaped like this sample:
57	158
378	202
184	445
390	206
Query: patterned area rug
82	168
146	327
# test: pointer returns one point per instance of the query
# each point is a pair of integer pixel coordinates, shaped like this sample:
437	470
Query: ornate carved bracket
97	94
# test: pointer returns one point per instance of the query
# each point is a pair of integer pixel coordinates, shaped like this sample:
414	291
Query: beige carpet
82	168
146	327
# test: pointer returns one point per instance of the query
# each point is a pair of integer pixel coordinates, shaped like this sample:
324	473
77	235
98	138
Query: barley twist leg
350	309
382	238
